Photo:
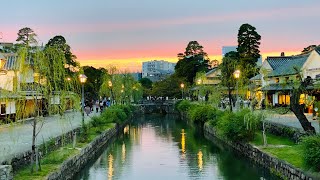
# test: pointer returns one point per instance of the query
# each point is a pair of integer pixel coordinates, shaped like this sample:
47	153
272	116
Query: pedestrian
97	106
101	106
87	109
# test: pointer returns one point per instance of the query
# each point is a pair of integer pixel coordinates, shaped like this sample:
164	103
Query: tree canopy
70	59
248	49
193	60
26	36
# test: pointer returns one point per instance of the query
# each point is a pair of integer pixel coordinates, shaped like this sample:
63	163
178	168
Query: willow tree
122	88
50	87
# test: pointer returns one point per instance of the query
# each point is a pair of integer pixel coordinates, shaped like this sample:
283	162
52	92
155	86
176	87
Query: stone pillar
6	172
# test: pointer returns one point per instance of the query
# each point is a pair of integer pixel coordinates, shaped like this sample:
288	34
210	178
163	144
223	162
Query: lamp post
182	90
236	75
111	94
83	79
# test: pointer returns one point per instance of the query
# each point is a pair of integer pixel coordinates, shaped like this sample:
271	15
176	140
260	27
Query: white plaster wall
312	66
10	107
6	81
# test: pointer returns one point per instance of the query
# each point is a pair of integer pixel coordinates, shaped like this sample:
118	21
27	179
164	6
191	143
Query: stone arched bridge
157	106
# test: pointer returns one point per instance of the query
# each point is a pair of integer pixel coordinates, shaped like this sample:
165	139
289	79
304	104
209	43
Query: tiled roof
257	77
281	86
286	65
317	49
211	71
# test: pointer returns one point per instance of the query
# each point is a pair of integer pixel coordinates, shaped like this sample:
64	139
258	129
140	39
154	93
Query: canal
162	147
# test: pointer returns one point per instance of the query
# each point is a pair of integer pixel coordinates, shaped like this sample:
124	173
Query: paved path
291	120
16	138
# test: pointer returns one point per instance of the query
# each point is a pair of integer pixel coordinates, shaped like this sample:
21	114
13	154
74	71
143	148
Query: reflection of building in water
136	132
183	143
123	157
200	161
110	170
126	130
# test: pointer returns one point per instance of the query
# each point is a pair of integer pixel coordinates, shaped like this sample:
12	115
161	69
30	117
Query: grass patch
289	152
49	164
292	154
271	139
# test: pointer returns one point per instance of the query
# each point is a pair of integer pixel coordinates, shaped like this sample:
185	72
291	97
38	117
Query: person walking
97	106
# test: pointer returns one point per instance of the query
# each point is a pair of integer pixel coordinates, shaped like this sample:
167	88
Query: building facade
157	69
279	74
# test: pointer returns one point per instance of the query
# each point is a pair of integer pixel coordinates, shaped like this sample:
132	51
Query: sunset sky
127	32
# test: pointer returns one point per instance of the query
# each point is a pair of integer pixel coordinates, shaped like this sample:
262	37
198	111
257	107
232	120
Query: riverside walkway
16	138
291	120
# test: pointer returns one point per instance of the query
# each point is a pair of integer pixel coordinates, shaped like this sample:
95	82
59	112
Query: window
3	109
284	99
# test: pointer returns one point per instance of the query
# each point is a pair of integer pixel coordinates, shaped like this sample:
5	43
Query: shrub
183	105
311	152
114	114
239	126
202	113
96	121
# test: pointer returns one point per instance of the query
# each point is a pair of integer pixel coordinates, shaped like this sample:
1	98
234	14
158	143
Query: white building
157	69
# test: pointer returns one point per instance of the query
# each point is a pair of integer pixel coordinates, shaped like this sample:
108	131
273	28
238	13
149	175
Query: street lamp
182	90
111	94
83	79
236	75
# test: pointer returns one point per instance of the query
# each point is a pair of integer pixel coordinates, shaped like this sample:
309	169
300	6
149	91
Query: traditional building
279	74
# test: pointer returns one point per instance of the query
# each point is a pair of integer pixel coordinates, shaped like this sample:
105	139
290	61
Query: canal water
162	147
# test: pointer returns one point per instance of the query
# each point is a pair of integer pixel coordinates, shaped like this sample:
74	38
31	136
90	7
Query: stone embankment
72	166
279	167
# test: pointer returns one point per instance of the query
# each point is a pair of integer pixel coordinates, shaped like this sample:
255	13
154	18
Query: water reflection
183	144
110	167
200	161
157	147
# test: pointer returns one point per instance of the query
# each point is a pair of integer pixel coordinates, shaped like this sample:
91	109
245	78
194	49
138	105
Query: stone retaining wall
6	172
72	166
275	165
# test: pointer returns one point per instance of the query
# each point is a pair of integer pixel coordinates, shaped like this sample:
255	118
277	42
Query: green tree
228	66
70	59
298	88
194	49
168	87
94	81
193	60
248	49
146	85
26	36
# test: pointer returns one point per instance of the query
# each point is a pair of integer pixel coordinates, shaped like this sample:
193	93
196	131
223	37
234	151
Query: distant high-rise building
137	76
157	69
226	49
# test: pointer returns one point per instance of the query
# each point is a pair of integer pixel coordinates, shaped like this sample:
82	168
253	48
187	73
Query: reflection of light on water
183	143
110	170
126	130
123	152
200	162
134	134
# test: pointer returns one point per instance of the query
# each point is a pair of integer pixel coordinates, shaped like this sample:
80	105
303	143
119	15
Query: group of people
98	104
